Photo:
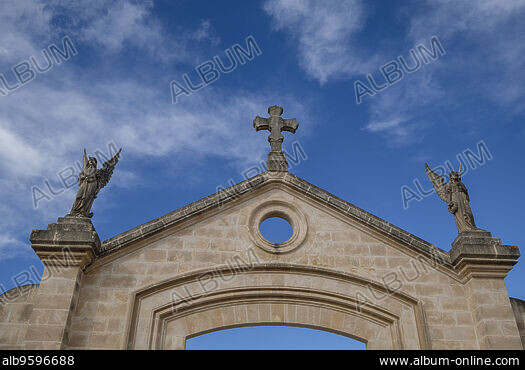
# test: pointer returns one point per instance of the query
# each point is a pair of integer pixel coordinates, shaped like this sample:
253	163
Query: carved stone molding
274	294
69	242
287	211
478	254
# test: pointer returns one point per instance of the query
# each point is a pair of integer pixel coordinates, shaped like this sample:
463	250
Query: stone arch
164	315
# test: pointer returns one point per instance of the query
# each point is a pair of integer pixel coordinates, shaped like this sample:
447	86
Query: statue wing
104	174
439	185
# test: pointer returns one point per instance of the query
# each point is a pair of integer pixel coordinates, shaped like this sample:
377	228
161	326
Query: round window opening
276	230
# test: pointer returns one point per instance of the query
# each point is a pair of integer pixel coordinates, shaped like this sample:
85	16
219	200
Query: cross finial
275	124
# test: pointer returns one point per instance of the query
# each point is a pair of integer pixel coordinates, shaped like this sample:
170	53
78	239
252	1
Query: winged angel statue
456	195
90	181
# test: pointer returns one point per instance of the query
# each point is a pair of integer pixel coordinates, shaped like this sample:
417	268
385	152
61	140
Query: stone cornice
478	254
69	242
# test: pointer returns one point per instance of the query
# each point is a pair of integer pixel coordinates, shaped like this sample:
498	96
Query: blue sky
116	89
272	338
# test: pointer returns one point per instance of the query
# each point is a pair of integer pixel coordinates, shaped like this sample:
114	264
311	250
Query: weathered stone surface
481	244
275	124
455	194
518	307
65	248
477	253
91	180
71	241
16	306
199	269
294	182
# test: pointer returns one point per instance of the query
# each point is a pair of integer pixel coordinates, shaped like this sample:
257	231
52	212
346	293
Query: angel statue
456	195
90	181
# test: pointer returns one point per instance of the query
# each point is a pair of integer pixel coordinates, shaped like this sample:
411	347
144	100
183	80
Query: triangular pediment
236	194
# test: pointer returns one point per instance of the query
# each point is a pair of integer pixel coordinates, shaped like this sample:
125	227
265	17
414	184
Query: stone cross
275	124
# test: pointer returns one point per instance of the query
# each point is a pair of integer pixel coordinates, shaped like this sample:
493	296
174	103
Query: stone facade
206	267
519	311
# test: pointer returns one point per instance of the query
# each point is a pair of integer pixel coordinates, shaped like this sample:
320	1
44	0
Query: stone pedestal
65	248
277	162
484	263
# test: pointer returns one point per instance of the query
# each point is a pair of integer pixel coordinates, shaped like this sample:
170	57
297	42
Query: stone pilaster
484	262
65	248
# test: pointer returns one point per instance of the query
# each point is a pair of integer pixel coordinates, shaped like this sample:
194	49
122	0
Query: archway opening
273	338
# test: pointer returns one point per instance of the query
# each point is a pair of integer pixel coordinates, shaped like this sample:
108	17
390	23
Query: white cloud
325	34
484	52
45	124
489	59
204	32
491	33
12	248
385	125
449	17
60	122
399	112
29	25
17	155
23	22
122	22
